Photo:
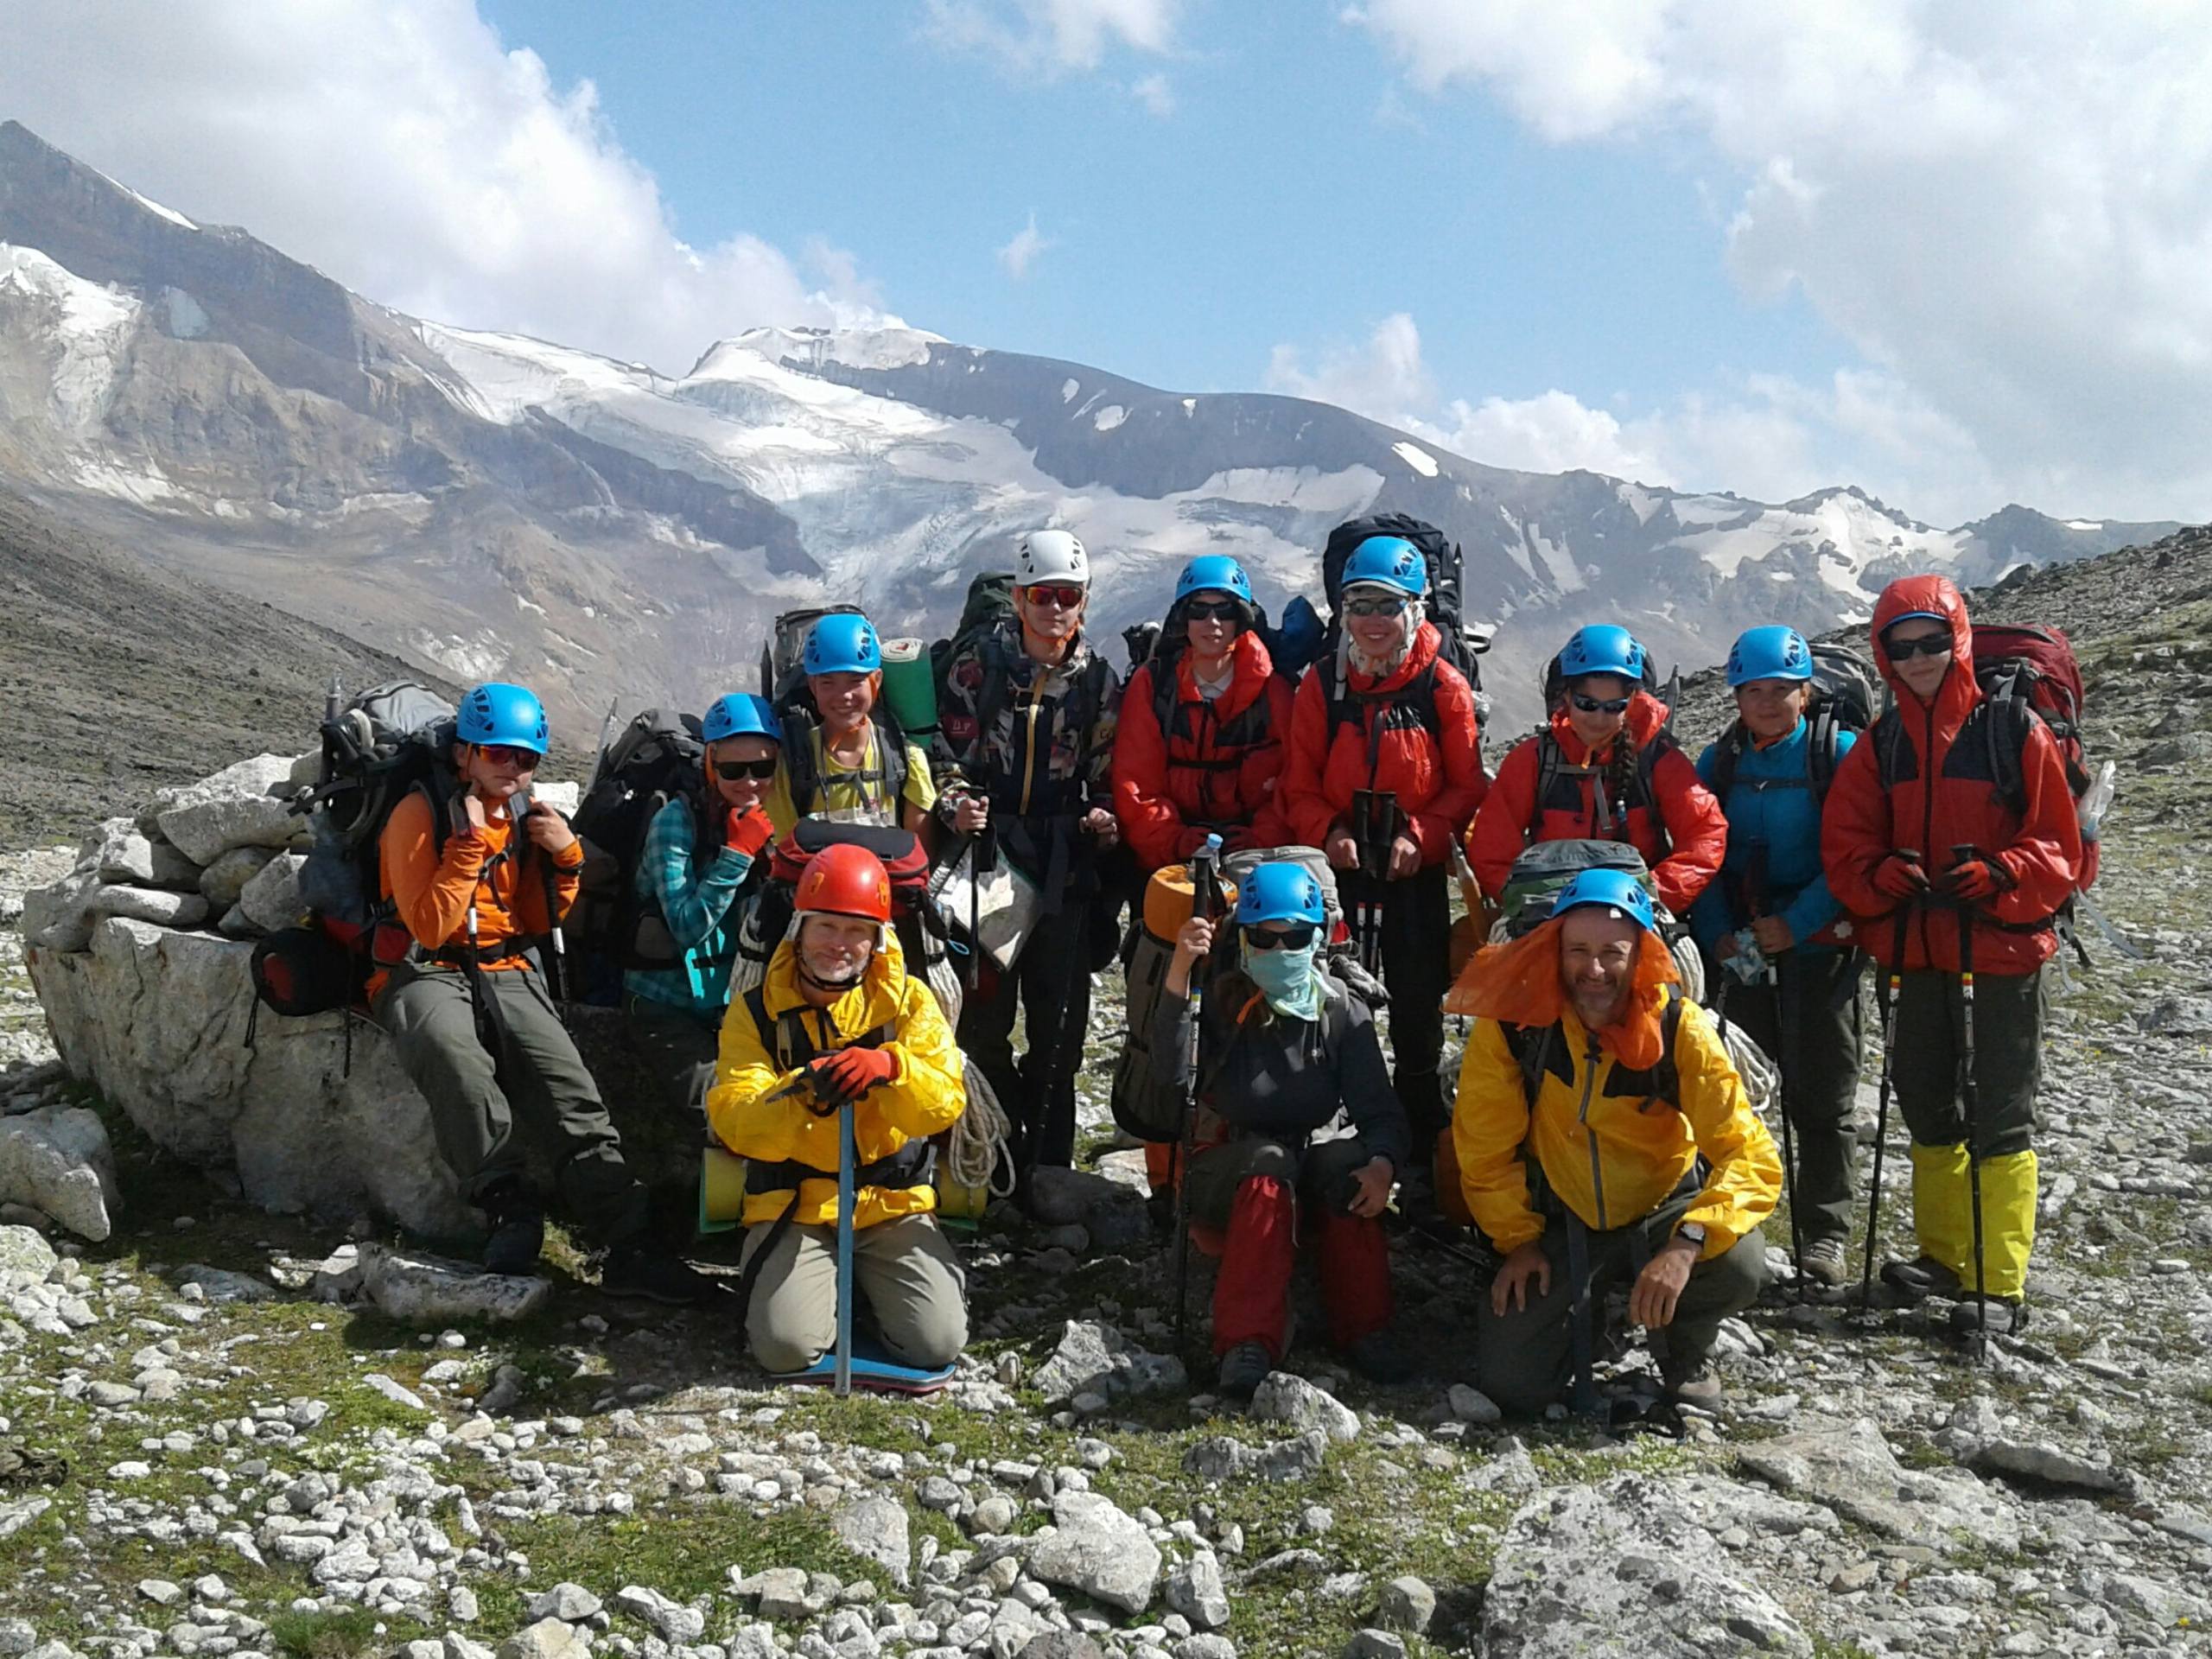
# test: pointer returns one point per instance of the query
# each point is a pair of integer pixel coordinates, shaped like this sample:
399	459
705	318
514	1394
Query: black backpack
1446	602
989	603
1847	696
658	757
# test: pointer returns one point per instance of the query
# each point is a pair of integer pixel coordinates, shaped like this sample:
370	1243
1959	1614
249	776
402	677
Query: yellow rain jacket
923	1097
1610	1149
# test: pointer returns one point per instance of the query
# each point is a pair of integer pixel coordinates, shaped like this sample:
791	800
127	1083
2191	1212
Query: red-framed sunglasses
1067	598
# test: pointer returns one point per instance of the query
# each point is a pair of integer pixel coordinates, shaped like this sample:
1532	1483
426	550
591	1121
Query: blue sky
1297	192
1950	250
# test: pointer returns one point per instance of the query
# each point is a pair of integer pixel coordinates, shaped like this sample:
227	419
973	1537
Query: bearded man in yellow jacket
837	1019
1603	1136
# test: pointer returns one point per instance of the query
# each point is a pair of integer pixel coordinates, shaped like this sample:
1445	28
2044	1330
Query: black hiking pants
1416	970
1807	1024
1931	1060
1049	987
431	1018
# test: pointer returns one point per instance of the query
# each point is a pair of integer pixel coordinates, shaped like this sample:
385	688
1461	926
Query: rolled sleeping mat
910	686
722	1190
1169	899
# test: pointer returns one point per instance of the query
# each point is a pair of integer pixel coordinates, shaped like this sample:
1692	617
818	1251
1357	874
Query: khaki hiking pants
431	1019
906	1272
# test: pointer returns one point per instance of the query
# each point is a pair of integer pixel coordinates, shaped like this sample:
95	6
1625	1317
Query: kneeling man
1604	1137
838	1020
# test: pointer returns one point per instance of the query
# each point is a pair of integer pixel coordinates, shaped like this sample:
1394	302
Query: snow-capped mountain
494	504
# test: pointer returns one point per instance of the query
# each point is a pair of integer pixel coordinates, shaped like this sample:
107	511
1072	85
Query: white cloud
1381	379
2008	211
1023	252
1050	37
1155	94
401	147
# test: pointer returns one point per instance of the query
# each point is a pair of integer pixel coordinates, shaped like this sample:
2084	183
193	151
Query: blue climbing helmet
1616	890
1391	561
1213	573
1602	648
497	712
844	642
1770	653
1284	892
740	715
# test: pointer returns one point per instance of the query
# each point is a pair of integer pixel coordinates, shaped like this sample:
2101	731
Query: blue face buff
1288	979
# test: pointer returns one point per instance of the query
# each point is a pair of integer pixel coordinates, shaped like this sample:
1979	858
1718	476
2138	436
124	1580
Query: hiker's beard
1597	1004
829	966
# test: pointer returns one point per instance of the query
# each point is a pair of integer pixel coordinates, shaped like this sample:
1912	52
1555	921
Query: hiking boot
1378	1357
638	1267
2006	1318
1696	1385
1823	1262
517	1228
1918	1280
1243	1367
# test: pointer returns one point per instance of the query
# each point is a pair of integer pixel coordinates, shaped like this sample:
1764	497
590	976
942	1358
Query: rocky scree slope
253	1469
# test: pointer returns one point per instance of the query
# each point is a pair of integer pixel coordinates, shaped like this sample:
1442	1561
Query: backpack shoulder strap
1531	1048
1823	737
2010	716
1726	753
1666	1074
1887	738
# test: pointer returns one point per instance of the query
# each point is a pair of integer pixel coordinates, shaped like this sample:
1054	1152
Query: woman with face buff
469	1017
848	758
1200	742
1952	887
1284	1049
837	1020
1389	716
1604	768
694	876
1768	920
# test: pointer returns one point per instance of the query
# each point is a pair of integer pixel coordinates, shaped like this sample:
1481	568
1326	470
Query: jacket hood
877	998
1427	642
1645	720
1939	595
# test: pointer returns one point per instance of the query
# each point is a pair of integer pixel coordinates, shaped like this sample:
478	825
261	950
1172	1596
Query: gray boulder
25	1255
1287	1397
1849	1467
154	904
221	882
874	1527
58	916
1622	1570
674	1621
416	1287
232	808
58	1159
1195	1589
1111	1212
120	852
1407	1603
547	1639
1099	1551
271	899
1097	1358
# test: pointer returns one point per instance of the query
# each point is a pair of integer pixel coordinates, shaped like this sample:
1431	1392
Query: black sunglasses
1215	610
510	754
1290	938
1590	705
1926	644
730	770
1393	605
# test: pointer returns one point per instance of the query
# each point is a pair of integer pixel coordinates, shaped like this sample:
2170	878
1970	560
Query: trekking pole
1889	1011
983	859
1756	893
1204	894
1362	812
1386	842
1970	1098
841	1381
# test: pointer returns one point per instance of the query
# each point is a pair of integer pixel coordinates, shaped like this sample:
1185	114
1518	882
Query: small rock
874	1527
1407	1603
677	1623
418	1289
160	1592
1374	1644
221	1285
1195	1589
549	1638
1099	1551
378	1382
569	1603
1287	1397
1471	1405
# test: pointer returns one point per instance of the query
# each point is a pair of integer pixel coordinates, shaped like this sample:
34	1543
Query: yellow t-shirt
837	792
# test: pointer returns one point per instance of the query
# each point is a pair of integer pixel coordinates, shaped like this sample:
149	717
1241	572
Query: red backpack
2030	673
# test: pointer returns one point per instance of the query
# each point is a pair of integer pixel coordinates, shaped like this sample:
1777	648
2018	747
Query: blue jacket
1784	822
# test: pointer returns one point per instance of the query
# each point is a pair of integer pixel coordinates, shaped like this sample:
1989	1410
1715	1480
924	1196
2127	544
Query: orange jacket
1939	795
1214	770
1437	778
1512	817
433	891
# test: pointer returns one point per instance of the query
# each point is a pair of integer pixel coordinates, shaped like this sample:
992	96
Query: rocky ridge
251	1467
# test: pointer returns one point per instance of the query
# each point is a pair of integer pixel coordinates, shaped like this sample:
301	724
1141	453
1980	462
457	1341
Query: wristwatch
1694	1232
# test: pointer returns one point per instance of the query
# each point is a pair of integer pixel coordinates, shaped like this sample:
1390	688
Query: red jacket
1437	778
1940	796
1215	771
1693	821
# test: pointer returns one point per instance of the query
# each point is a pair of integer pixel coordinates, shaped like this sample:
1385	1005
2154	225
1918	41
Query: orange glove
749	831
851	1073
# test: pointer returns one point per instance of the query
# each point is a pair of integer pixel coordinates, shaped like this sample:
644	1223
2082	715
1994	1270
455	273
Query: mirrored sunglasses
1590	705
1390	605
509	754
1067	598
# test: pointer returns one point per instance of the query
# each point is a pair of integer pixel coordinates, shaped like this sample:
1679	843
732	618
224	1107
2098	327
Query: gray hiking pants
1808	1025
431	1019
1524	1357
904	1269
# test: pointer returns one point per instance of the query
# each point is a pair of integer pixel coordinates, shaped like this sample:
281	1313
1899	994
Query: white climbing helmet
1051	556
